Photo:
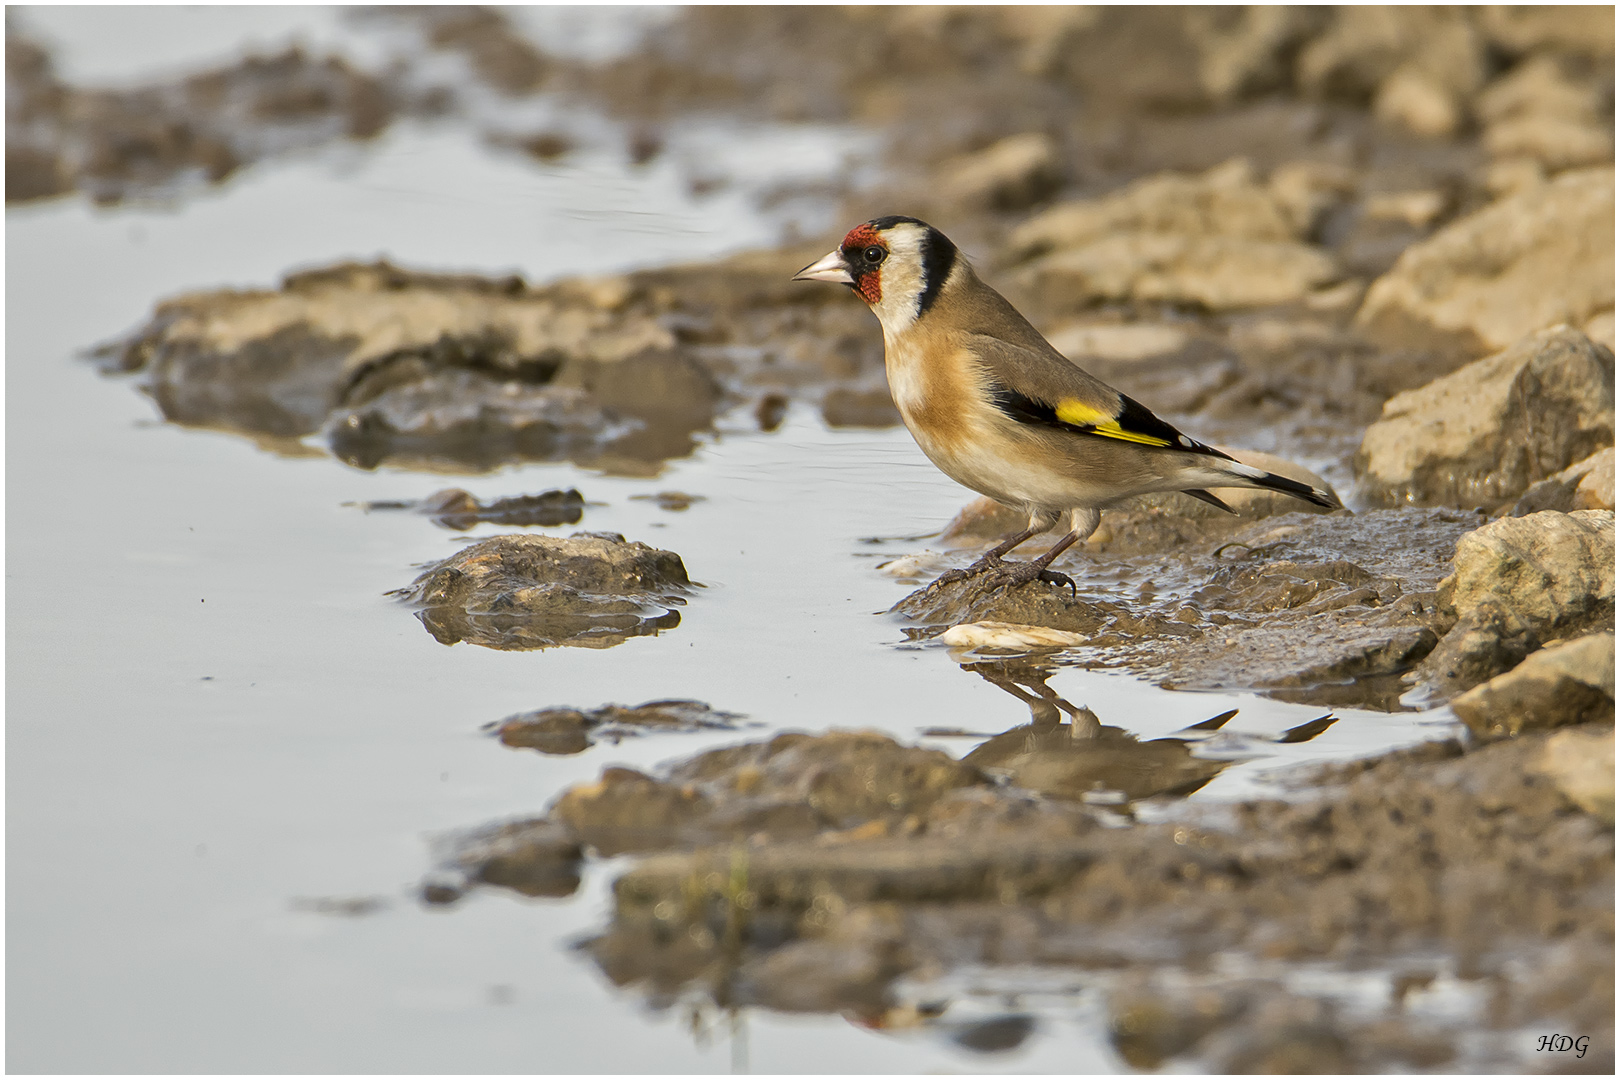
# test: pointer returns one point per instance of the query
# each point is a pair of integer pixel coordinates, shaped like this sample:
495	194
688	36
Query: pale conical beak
829	268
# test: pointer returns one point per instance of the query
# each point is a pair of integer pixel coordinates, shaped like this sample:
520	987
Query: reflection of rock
535	858
569	731
1539	257
532	592
454	508
1571	683
791	786
1481	435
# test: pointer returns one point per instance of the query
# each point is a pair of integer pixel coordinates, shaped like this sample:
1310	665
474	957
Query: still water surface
215	716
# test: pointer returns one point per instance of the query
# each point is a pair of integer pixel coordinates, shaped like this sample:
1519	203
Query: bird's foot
1012	575
983	565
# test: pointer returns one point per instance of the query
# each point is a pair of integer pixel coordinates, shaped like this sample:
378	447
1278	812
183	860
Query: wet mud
848	873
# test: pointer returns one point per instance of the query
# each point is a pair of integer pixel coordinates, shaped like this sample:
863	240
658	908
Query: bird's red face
857	262
864	251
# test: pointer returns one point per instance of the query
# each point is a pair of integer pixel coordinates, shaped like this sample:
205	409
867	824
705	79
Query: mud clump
571	731
533	592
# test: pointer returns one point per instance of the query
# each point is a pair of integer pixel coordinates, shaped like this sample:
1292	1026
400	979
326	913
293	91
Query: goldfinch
999	410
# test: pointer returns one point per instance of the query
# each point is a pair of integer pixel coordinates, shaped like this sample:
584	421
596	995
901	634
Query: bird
999	410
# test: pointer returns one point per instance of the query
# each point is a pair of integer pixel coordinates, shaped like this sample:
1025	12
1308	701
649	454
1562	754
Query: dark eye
874	254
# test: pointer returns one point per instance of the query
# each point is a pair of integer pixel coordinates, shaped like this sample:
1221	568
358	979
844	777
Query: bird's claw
1016	574
1008	574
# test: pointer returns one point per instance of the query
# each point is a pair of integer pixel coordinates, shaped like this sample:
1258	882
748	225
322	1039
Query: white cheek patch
902	277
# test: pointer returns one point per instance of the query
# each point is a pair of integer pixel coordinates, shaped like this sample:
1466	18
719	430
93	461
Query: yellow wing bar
1073	411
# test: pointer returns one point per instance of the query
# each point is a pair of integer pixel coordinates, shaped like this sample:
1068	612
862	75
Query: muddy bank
846	872
1322	608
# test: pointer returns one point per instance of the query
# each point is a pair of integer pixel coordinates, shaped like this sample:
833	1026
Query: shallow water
216	717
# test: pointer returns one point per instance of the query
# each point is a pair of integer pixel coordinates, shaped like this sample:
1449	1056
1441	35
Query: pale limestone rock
1581	763
1014	173
1567	683
1553	571
1485	433
1541	256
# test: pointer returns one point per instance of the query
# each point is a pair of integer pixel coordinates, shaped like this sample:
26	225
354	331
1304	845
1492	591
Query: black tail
1273	482
1300	491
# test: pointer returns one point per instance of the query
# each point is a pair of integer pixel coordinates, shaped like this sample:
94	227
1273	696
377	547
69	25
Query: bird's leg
1083	521
991	559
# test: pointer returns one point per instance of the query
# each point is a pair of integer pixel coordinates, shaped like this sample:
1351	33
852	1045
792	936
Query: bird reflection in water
1086	759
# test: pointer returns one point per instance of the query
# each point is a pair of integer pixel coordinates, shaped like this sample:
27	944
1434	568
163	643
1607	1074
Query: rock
1247	51
1364	48
1572	28
1539	111
1570	683
1586	485
1600	328
1217	272
1517	583
1581	763
160	139
1413	98
1538	257
1220	240
1486	640
1553	571
569	731
1117	342
1225	201
1483	434
1015	173
534	592
1003	635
